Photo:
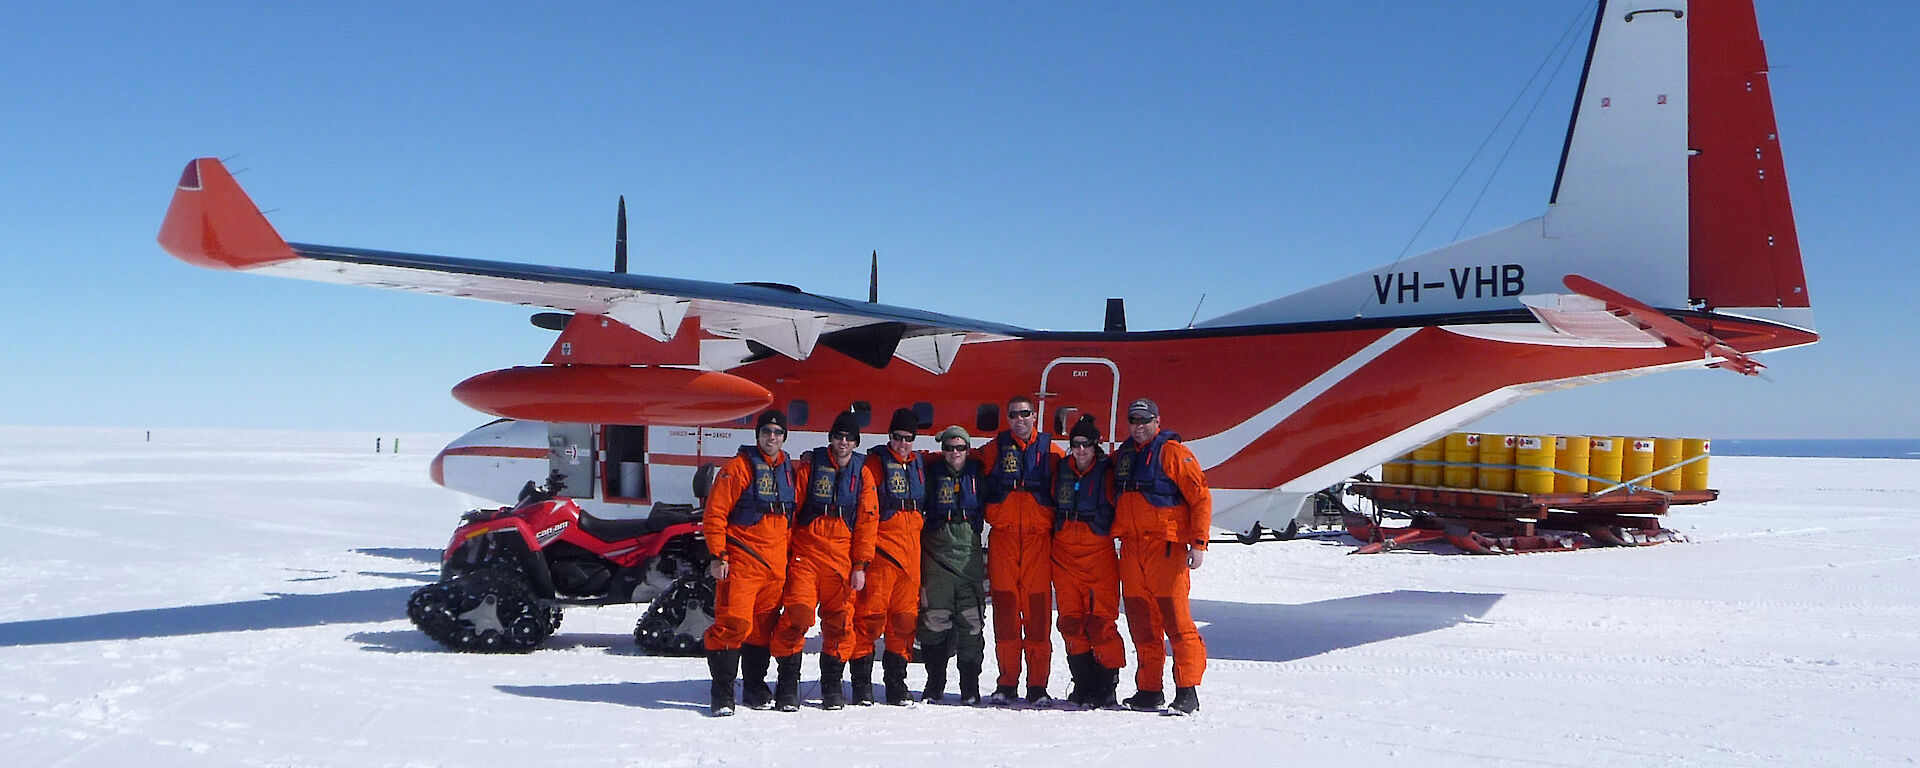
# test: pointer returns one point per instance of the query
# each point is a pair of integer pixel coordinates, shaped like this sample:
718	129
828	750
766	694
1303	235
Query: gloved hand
859	579
718	569
1195	556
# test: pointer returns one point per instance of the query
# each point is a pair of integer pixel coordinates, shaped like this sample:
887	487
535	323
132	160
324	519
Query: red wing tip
212	223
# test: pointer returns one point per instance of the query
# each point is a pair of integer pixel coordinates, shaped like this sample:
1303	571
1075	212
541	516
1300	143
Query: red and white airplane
1668	243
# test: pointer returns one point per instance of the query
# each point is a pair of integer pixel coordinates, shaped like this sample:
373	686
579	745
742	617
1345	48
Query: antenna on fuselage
873	280
1116	315
1196	310
620	238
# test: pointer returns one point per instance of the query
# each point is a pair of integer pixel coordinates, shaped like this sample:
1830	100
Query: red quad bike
508	571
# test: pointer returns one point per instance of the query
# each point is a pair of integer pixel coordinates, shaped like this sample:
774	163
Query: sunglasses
1019	414
908	436
774	431
848	436
1140	419
955	448
1078	443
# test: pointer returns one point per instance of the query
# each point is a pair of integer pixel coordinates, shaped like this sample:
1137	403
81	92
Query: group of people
885	548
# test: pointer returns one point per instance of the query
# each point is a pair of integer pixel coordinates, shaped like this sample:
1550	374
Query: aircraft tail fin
1671	190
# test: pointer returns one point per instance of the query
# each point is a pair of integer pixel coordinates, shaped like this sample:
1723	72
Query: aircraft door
1070	386
570	452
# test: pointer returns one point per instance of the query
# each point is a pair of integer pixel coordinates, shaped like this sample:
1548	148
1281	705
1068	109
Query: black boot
1037	697
786	690
861	670
969	683
935	659
722	665
1186	701
1105	681
1146	701
754	693
831	696
894	675
1079	667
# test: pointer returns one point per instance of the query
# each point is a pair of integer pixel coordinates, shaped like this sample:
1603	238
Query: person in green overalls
953	570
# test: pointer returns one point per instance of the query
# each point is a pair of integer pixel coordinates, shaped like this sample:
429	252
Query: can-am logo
551	533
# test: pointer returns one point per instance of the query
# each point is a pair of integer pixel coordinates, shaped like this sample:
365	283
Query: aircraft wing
212	223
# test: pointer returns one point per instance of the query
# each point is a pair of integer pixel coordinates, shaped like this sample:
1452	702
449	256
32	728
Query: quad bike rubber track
485	610
676	622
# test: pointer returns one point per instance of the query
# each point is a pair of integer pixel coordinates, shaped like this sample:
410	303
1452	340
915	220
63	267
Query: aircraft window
862	412
987	419
924	412
1063	419
625	452
796	413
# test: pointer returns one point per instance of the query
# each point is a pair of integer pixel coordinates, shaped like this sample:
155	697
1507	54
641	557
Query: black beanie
846	422
1085	428
904	420
775	418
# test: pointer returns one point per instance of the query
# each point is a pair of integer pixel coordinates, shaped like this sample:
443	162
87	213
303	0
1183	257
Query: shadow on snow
689	695
415	554
1241	631
276	611
1245	631
1277	632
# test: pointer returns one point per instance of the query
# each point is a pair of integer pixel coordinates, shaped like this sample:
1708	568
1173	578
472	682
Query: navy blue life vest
770	492
1020	470
954	496
1139	469
1081	497
903	484
831	490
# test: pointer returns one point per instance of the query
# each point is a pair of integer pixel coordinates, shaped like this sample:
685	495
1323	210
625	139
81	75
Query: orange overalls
1162	507
890	604
1086	573
1019	554
833	531
746	525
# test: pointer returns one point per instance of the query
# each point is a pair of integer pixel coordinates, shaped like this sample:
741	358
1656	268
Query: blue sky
1016	161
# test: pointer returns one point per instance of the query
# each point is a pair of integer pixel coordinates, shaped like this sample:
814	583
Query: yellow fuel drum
1666	453
1462	449
1639	461
1428	474
1693	477
1607	458
1398	471
1571	453
1496	449
1535	453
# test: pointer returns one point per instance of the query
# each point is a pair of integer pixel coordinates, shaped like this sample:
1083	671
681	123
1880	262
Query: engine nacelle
613	394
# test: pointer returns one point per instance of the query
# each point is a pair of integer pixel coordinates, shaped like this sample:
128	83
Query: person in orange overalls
745	525
890	603
1163	515
1086	574
833	532
1019	551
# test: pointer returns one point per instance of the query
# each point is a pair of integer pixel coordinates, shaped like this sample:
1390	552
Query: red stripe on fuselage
1208	384
1431	372
497	451
1204	384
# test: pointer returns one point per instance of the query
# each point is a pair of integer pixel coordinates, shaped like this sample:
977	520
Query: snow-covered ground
237	599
